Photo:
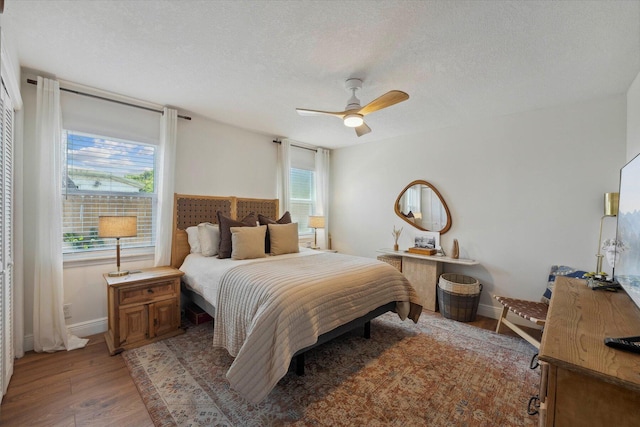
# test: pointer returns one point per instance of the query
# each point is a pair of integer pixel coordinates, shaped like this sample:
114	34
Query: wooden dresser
584	382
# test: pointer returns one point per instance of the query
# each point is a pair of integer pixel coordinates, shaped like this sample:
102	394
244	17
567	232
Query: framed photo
427	240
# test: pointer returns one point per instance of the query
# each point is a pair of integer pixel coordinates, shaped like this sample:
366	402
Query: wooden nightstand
143	307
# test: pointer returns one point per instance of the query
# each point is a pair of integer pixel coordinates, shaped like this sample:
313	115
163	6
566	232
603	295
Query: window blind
302	198
106	177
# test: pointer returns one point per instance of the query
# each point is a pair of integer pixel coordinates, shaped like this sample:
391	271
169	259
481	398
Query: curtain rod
297	146
34	82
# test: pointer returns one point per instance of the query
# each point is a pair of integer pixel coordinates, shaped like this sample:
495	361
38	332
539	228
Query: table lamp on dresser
117	227
315	222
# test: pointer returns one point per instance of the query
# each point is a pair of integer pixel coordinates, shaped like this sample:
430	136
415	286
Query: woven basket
459	284
395	261
460	307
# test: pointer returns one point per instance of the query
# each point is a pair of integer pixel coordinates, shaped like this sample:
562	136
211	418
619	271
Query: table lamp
117	227
315	222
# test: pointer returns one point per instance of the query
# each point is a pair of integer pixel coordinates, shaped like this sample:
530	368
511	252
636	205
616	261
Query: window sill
107	257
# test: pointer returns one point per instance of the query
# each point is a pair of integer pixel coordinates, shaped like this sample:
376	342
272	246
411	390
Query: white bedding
202	274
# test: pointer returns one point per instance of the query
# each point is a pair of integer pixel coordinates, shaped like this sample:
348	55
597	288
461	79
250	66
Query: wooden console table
423	271
584	382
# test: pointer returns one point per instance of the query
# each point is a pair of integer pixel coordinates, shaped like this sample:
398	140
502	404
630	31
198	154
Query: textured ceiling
251	63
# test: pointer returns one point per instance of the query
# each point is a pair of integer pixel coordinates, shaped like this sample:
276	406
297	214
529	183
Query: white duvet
202	274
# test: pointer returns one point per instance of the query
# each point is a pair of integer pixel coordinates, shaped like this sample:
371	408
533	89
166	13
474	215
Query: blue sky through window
113	156
94	163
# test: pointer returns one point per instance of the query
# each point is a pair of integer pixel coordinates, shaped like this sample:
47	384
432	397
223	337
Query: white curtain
49	329
322	190
284	166
166	174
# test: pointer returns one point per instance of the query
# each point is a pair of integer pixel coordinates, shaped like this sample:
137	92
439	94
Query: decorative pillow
559	270
225	223
264	220
209	235
284	238
194	240
248	242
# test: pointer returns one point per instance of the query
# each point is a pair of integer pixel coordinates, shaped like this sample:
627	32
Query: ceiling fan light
353	120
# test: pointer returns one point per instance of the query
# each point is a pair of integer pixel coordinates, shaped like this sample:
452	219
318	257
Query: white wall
525	191
633	119
212	159
217	159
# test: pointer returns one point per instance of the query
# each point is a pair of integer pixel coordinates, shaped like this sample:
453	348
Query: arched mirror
422	206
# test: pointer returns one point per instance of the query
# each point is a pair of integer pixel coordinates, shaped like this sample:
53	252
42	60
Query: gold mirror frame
398	211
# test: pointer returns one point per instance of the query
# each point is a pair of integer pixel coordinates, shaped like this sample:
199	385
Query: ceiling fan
353	115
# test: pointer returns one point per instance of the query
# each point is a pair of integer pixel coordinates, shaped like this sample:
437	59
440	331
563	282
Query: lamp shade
117	226
316	221
611	203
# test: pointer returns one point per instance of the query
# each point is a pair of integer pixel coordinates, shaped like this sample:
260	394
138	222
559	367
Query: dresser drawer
149	292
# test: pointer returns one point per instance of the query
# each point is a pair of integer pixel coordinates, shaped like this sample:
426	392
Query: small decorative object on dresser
455	249
396	236
426	243
143	307
422	251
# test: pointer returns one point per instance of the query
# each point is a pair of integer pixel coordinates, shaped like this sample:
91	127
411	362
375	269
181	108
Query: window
106	176
302	198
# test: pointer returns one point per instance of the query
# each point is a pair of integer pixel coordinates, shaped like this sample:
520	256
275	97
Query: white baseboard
82	329
489	311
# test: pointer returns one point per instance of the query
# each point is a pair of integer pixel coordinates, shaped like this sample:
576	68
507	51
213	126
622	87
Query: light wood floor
85	387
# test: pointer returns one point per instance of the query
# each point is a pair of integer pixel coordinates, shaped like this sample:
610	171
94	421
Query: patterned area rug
437	373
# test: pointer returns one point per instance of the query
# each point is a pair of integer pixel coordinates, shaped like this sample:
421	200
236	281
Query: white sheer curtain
166	174
49	329
322	190
284	166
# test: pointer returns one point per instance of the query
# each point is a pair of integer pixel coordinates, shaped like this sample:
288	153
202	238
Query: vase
395	247
455	250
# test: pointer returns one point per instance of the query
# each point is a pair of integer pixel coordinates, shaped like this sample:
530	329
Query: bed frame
192	210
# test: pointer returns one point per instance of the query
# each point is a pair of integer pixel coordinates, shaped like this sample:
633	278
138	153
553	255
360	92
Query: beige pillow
209	237
248	242
284	238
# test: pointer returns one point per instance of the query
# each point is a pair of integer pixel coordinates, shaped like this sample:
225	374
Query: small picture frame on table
427	240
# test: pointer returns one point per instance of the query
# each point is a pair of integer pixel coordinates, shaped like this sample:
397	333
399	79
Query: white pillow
248	242
194	240
209	236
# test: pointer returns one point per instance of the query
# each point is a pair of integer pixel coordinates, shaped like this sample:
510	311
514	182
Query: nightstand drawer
147	293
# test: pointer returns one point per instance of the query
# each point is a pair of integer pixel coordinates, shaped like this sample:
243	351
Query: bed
271	309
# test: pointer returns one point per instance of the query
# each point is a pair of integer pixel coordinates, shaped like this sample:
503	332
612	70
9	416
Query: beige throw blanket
269	310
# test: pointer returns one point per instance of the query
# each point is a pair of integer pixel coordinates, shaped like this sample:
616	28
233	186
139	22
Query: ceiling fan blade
363	129
387	100
305	112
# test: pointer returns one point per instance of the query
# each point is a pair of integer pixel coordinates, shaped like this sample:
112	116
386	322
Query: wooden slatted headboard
192	210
